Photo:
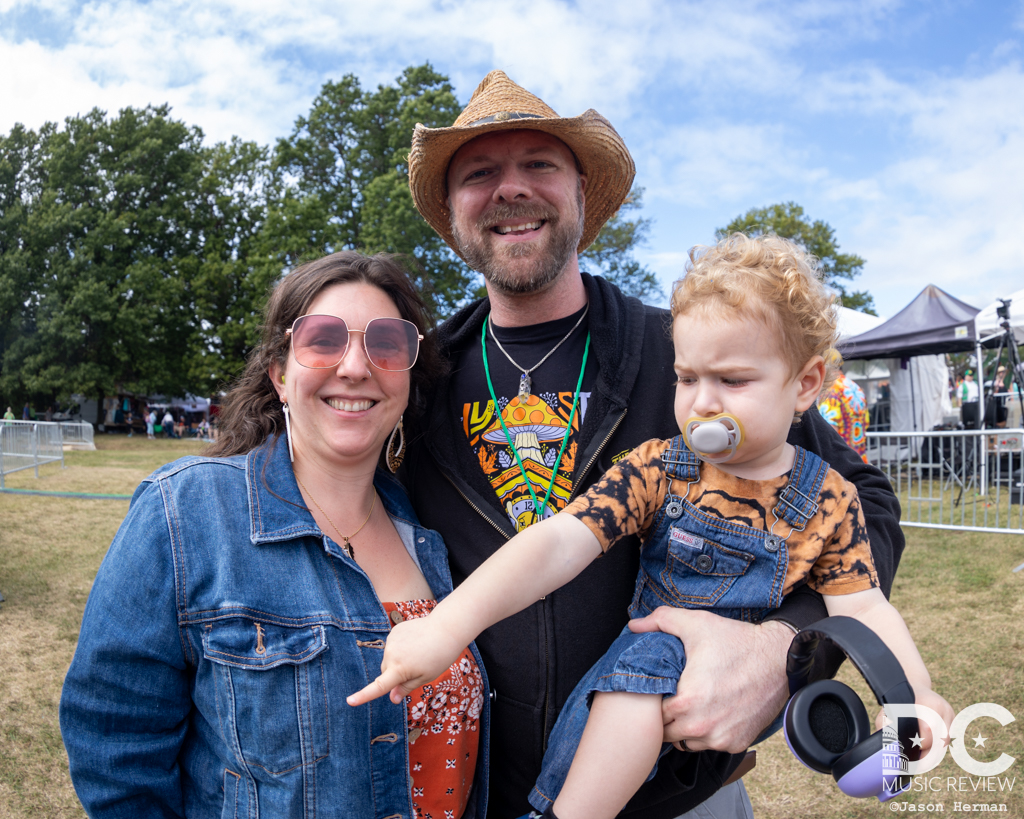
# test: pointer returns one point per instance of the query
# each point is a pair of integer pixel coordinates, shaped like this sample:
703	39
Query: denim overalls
689	559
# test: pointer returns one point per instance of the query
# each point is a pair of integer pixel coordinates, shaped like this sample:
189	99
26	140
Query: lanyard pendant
524	387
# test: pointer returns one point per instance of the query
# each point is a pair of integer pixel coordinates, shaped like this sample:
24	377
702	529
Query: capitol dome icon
894	761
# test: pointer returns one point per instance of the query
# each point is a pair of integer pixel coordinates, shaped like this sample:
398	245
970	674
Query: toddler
731	516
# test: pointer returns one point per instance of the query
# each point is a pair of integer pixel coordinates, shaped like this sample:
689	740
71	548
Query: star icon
979	740
918	741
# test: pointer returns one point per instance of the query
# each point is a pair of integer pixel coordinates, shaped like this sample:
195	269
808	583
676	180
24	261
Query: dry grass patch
51	548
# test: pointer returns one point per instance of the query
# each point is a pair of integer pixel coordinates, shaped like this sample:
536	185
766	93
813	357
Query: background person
167	422
246	591
967	391
517	192
845	408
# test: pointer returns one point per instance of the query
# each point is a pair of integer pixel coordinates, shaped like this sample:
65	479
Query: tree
348	162
612	250
106	253
239	260
818	238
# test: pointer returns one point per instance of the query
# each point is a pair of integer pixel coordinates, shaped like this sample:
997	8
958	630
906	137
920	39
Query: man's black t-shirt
537	424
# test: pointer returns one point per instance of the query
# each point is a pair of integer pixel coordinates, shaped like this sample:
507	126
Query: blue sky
901	124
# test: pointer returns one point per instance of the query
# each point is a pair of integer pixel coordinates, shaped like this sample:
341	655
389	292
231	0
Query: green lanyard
538	508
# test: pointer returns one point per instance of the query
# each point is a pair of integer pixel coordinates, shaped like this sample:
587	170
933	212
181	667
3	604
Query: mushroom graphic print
537	426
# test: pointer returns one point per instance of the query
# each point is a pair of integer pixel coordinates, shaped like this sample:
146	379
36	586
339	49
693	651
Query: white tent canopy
853	322
867	373
987	322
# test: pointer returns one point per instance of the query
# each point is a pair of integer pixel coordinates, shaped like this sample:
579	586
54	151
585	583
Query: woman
247	594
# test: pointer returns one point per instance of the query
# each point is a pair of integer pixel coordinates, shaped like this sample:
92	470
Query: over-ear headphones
827	726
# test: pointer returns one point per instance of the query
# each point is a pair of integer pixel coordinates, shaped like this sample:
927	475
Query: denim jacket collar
277	511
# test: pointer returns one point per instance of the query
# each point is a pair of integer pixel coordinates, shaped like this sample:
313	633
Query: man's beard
529	275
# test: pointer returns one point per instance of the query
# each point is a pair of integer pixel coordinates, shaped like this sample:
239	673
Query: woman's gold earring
394	455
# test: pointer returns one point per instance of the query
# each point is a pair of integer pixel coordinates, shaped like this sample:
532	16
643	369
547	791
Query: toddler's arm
535	562
878	614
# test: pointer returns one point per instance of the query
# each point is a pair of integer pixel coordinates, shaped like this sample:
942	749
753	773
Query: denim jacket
221	637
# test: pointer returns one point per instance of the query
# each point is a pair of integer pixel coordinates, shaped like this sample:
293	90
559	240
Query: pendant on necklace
524	387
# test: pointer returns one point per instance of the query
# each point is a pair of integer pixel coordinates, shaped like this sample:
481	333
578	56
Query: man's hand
417	652
734	683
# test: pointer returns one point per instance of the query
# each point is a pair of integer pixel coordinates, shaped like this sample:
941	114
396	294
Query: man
544	383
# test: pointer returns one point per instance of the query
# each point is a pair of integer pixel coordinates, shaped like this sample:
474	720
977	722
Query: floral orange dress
444	729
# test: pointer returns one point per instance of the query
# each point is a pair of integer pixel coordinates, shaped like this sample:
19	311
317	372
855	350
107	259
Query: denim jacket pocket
271	692
700	571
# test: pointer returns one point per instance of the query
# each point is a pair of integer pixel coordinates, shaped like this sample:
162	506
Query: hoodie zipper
547	658
474	507
506	538
597	453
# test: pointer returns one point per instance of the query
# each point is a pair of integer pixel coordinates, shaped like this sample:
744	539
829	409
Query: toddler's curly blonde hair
768	279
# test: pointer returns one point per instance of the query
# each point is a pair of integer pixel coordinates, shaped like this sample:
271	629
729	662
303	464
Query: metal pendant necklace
350	550
525	382
538	508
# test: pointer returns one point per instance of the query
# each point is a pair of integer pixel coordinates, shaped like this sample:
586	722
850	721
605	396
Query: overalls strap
798	501
680	463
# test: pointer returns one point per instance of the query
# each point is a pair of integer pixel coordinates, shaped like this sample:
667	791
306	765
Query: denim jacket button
396	617
414	734
704	562
674	509
771	543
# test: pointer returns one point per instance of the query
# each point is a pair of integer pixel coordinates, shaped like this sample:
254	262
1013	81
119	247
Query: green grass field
956	590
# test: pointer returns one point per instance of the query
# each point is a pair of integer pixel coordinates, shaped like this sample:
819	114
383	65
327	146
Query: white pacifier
714	439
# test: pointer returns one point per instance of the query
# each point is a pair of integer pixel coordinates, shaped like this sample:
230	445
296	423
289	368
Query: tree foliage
789	221
134	258
612	250
349	162
105	257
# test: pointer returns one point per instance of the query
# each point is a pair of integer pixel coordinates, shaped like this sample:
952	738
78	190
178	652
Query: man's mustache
505	211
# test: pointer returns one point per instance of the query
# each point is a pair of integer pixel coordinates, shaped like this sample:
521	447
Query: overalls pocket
698	571
271	691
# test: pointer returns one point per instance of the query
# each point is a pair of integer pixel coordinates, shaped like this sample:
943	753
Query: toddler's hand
417	652
938	704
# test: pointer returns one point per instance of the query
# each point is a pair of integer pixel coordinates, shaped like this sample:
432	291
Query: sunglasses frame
419	338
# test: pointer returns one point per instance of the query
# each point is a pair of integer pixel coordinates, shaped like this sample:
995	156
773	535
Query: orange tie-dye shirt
832	553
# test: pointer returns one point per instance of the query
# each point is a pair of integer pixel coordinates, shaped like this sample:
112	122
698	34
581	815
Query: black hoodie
535	658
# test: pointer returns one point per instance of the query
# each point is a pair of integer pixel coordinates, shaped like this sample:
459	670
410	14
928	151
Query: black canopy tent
934	322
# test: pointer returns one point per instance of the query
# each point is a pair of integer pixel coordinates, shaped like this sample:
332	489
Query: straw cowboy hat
498	104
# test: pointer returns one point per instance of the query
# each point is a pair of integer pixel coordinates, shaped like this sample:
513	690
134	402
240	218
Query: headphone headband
873	659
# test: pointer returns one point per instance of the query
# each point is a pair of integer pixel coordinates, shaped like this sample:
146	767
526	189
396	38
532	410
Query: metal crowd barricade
77	434
28	444
962	479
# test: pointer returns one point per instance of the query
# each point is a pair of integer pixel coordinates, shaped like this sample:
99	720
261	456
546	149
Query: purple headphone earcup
824	721
861	772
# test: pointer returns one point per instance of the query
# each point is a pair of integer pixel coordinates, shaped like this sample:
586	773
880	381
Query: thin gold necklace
350	550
